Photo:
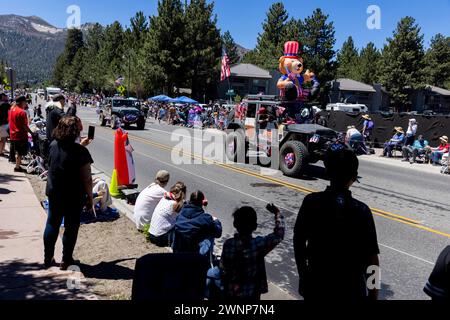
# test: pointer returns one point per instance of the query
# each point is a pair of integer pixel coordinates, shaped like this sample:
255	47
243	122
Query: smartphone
91	133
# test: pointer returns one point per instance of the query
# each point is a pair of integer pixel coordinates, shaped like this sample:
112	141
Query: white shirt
164	217
146	204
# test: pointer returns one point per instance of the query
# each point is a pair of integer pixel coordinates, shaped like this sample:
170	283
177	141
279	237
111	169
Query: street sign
231	93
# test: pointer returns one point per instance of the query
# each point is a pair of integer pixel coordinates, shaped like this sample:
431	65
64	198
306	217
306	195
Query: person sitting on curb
397	140
335	239
149	198
438	153
195	227
165	215
419	148
242	264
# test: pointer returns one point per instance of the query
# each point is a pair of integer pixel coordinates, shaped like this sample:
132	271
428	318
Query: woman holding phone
69	189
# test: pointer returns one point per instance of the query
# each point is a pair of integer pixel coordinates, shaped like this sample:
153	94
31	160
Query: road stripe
407	254
377	212
254	197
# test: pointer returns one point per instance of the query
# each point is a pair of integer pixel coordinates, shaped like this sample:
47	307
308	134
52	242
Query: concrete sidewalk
22	221
397	162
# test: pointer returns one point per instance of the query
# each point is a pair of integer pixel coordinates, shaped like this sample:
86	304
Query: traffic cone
113	187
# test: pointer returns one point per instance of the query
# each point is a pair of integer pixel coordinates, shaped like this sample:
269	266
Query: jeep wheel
235	147
141	124
114	122
293	158
102	120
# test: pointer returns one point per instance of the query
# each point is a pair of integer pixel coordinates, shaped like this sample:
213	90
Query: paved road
411	209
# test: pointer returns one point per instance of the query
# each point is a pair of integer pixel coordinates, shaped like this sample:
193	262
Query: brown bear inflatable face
291	65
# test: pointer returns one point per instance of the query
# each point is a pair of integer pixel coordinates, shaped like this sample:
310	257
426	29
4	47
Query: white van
347	107
52	91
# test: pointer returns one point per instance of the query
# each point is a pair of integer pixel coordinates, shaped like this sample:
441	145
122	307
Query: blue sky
244	17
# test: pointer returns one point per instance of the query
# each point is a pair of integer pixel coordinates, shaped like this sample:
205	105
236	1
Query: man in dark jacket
55	113
194	225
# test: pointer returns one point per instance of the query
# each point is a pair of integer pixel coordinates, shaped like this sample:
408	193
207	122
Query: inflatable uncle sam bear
292	85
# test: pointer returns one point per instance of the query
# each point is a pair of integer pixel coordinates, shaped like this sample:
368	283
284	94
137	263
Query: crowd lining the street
343	234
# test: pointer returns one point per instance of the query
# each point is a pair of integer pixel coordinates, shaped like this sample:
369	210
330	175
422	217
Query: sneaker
20	169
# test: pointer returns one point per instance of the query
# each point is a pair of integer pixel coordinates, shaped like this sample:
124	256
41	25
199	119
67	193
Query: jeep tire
300	153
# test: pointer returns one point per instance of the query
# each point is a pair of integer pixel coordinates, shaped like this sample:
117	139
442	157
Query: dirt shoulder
107	252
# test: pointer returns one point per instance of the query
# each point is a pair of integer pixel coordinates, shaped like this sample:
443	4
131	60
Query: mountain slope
30	45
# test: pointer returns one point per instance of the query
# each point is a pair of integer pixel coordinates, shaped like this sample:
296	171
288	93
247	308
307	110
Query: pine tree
319	44
347	60
93	72
74	43
402	63
368	66
269	47
293	31
437	62
230	47
162	56
203	49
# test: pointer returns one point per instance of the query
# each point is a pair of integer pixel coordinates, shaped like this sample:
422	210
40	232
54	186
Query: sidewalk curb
275	292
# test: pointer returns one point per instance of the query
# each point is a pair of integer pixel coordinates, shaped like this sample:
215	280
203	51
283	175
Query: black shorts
21	147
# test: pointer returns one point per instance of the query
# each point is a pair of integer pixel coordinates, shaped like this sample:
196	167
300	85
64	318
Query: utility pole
129	74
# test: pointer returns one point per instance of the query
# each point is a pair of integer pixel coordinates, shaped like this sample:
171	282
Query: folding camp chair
170	277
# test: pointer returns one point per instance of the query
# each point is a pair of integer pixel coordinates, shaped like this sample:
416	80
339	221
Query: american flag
226	71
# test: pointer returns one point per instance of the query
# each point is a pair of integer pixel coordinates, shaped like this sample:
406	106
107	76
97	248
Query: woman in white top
149	199
165	215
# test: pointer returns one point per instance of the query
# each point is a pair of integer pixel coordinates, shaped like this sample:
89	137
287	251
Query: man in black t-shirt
55	113
4	109
438	286
335	241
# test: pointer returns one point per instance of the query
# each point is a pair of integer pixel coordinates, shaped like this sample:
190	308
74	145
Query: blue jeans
56	212
436	157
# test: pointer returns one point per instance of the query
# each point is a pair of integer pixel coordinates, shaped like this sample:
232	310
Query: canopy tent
161	98
187	100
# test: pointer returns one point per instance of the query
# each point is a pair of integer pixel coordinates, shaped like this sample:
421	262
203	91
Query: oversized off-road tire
293	158
114	122
235	148
141	124
102	120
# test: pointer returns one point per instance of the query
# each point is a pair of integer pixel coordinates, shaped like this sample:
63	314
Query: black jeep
118	111
296	144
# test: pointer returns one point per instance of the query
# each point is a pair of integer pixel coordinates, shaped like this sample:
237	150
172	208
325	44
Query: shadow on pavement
5	178
5	191
386	293
108	270
22	281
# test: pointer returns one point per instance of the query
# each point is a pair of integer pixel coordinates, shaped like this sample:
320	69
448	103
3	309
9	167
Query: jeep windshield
123	104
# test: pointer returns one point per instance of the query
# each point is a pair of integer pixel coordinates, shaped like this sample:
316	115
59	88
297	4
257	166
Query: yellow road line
377	212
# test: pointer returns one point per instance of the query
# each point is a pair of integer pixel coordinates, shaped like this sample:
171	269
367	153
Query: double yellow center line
378	212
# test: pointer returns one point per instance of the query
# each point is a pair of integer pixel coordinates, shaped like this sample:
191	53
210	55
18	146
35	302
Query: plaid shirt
242	263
